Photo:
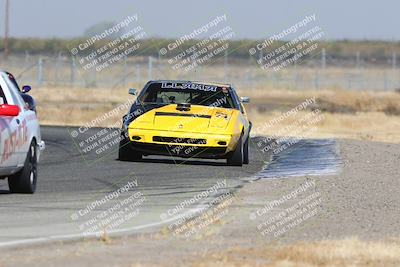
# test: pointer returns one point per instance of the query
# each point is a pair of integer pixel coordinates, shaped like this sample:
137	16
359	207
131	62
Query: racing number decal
15	141
194	86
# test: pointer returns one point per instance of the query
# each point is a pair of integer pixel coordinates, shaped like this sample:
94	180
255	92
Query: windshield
195	94
12	79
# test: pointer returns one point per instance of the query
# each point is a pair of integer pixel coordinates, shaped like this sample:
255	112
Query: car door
8	125
15	145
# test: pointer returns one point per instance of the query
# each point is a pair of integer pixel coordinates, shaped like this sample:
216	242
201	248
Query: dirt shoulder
351	219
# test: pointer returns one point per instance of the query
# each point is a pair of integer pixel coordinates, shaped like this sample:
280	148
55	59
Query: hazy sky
339	19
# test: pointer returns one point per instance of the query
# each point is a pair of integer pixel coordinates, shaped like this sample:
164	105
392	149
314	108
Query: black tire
246	150
125	153
24	181
236	158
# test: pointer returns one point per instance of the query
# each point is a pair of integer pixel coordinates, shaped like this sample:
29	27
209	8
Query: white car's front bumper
41	145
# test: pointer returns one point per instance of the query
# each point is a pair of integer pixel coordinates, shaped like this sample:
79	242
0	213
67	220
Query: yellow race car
186	119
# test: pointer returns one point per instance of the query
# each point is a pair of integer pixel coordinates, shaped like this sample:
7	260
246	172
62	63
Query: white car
20	139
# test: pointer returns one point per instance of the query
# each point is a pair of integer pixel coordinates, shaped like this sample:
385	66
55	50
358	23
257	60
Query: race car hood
196	119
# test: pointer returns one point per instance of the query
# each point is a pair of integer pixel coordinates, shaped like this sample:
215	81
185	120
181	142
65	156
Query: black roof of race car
186	81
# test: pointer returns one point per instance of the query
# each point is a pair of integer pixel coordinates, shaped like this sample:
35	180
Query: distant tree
99	28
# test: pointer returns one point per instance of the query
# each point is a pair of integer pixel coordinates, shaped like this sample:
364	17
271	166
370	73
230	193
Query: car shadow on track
4	192
181	161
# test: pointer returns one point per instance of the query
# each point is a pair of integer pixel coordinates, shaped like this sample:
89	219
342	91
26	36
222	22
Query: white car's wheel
24	181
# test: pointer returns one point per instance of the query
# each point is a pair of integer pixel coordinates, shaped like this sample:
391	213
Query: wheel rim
33	165
32	178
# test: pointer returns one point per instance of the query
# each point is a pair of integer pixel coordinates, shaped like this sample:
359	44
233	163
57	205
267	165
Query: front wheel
24	181
125	153
236	158
246	151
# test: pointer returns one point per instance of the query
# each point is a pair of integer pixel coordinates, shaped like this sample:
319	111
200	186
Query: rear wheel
125	153
24	181
236	158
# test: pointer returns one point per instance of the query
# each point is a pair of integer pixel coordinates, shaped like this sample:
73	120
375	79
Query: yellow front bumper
227	141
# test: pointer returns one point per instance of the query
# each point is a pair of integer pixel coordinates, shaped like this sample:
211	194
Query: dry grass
347	114
76	106
348	252
374	126
329	100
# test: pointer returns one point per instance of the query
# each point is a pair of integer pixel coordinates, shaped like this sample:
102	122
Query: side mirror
132	91
26	88
9	110
29	102
245	99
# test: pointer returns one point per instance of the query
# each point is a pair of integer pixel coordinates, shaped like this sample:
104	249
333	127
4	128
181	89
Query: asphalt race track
67	184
